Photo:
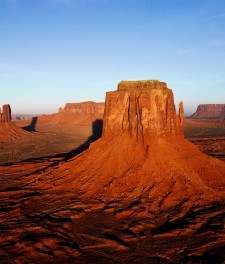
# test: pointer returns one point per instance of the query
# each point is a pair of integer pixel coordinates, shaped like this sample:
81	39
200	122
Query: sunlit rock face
142	108
5	113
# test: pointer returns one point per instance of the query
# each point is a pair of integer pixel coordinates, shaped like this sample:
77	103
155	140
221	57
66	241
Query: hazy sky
58	51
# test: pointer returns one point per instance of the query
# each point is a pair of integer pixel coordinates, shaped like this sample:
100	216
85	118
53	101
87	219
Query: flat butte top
141	85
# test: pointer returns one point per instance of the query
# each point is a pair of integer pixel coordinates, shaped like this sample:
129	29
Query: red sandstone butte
5	113
142	108
143	153
8	130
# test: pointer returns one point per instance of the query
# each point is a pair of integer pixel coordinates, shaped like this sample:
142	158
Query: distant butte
209	111
5	113
8	130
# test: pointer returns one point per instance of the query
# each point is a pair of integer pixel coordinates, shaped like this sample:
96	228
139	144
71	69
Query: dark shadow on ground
96	134
32	126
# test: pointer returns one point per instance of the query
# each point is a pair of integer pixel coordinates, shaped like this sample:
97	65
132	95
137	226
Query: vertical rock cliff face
5	113
210	111
142	108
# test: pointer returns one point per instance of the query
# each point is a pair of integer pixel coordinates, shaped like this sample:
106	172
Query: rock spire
5	113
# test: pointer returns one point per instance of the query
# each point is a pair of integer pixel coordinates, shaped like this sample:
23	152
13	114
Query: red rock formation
143	108
9	131
84	108
123	200
210	111
5	114
143	150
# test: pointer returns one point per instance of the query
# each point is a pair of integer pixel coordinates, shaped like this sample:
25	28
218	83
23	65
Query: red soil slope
11	132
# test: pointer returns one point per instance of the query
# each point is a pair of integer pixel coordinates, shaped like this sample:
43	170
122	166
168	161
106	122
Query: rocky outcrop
9	131
88	107
209	111
142	108
5	113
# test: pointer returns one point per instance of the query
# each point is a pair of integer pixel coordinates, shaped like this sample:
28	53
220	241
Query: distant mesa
88	107
205	111
5	113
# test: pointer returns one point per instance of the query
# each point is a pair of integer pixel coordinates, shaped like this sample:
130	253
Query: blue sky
58	51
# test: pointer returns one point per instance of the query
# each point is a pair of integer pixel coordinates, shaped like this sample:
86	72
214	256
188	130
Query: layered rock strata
209	111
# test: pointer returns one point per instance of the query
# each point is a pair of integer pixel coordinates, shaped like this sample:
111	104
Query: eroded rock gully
141	193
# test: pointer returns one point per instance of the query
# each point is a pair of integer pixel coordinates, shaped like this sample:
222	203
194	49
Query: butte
8	130
143	156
